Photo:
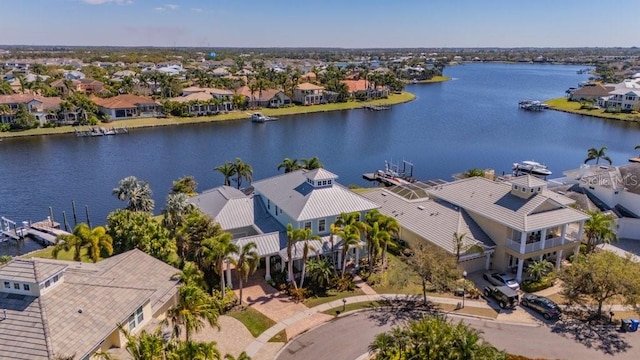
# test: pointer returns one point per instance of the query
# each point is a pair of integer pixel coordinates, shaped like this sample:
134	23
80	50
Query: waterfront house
363	89
591	91
264	98
224	97
43	108
54	308
198	103
623	96
309	94
525	220
127	106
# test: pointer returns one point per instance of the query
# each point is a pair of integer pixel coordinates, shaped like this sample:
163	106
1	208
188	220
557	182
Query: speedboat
259	118
532	167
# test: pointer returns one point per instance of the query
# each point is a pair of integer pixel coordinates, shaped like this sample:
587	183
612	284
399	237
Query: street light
344	305
464	275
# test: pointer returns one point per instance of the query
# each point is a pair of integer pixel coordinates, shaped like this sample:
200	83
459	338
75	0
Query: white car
501	279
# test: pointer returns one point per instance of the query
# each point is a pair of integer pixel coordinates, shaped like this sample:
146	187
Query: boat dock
387	180
95	131
376	107
531	105
44	232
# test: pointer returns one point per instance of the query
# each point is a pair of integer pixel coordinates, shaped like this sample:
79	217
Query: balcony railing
536	246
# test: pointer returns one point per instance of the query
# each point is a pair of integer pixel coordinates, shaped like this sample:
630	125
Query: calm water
471	121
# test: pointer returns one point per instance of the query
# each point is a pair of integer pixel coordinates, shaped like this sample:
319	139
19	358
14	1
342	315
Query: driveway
561	340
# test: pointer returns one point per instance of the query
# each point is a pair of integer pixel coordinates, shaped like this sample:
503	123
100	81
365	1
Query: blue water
471	121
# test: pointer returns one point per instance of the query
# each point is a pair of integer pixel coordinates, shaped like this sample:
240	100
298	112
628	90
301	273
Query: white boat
531	167
259	118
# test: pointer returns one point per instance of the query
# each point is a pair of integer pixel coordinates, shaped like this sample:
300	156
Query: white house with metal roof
51	308
523	218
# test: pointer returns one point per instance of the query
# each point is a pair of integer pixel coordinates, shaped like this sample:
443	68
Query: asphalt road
347	338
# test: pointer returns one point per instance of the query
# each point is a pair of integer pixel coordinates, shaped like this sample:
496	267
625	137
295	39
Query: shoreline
136	123
573	107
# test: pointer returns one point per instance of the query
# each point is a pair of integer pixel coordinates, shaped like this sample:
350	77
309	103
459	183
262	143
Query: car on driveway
504	295
501	279
545	306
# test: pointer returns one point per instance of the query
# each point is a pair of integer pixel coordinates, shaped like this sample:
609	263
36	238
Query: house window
7	285
132	322
329	182
135	319
268	204
276	209
532	191
47	283
26	287
307	225
16	286
55	279
524	190
324	182
139	315
322	225
515	187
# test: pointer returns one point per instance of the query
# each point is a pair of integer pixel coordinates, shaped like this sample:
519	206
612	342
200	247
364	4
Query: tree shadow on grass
397	310
601	337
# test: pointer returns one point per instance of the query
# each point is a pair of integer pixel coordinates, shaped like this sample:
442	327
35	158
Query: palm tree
228	169
376	238
599	230
145	346
190	275
291	240
595	154
195	350
243	356
137	192
334	231
320	272
95	240
311	163
539	269
304	236
350	236
289	165
391	226
193	308
217	251
5	88
459	247
247	263
178	206
243	170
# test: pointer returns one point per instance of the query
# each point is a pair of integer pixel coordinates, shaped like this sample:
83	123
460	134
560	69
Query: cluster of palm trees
239	169
290	165
96	241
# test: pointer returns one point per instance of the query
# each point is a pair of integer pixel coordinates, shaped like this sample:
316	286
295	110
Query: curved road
348	338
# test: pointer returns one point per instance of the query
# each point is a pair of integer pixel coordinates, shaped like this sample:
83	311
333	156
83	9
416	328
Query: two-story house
43	108
309	94
54	308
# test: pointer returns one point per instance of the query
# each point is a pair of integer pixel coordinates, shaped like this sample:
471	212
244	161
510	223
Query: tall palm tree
376	238
177	208
195	351
194	307
320	272
312	163
391	226
95	240
5	88
599	229
137	192
243	171
334	231
289	165
228	169
217	251
597	154
291	240
304	236
459	247
190	275
144	346
247	263
350	239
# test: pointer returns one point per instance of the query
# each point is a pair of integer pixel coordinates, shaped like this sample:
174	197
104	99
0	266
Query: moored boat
531	167
259	118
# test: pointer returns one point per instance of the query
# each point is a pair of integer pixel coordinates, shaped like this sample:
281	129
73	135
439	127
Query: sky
326	23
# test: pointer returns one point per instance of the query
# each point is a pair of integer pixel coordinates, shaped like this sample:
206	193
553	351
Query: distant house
127	106
309	94
199	103
264	98
363	89
621	99
85	86
73	75
310	77
55	308
120	75
223	96
590	92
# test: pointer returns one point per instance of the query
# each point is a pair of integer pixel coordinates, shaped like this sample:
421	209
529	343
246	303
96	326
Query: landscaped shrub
345	283
299	294
544	283
278	278
229	300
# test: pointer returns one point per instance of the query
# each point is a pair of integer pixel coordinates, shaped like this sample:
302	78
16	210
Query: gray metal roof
266	244
107	292
228	206
435	221
320	174
22	270
317	247
301	201
494	200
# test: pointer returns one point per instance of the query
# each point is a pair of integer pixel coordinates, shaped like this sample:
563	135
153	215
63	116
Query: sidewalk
298	319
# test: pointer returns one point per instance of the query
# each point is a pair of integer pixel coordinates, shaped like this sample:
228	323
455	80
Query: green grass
399	278
352	307
563	104
239	115
435	79
330	296
62	255
279	337
253	320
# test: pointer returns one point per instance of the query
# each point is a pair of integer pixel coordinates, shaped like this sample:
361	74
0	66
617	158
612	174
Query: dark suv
547	308
504	295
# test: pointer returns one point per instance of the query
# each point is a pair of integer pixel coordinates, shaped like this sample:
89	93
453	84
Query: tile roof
265	95
125	101
592	90
23	335
309	86
196	96
301	201
19	98
434	221
494	200
29	270
228	206
356	85
528	181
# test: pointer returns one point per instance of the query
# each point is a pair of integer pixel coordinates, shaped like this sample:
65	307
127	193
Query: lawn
330	296
235	115
279	337
399	278
563	104
351	307
435	79
62	255
253	320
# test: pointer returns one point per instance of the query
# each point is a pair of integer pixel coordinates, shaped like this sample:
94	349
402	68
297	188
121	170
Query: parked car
504	295
500	279
545	306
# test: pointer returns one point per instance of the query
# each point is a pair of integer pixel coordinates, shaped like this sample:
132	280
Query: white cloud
159	9
196	9
171	6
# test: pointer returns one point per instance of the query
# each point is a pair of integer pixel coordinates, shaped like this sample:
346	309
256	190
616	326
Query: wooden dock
376	107
44	232
389	181
100	131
